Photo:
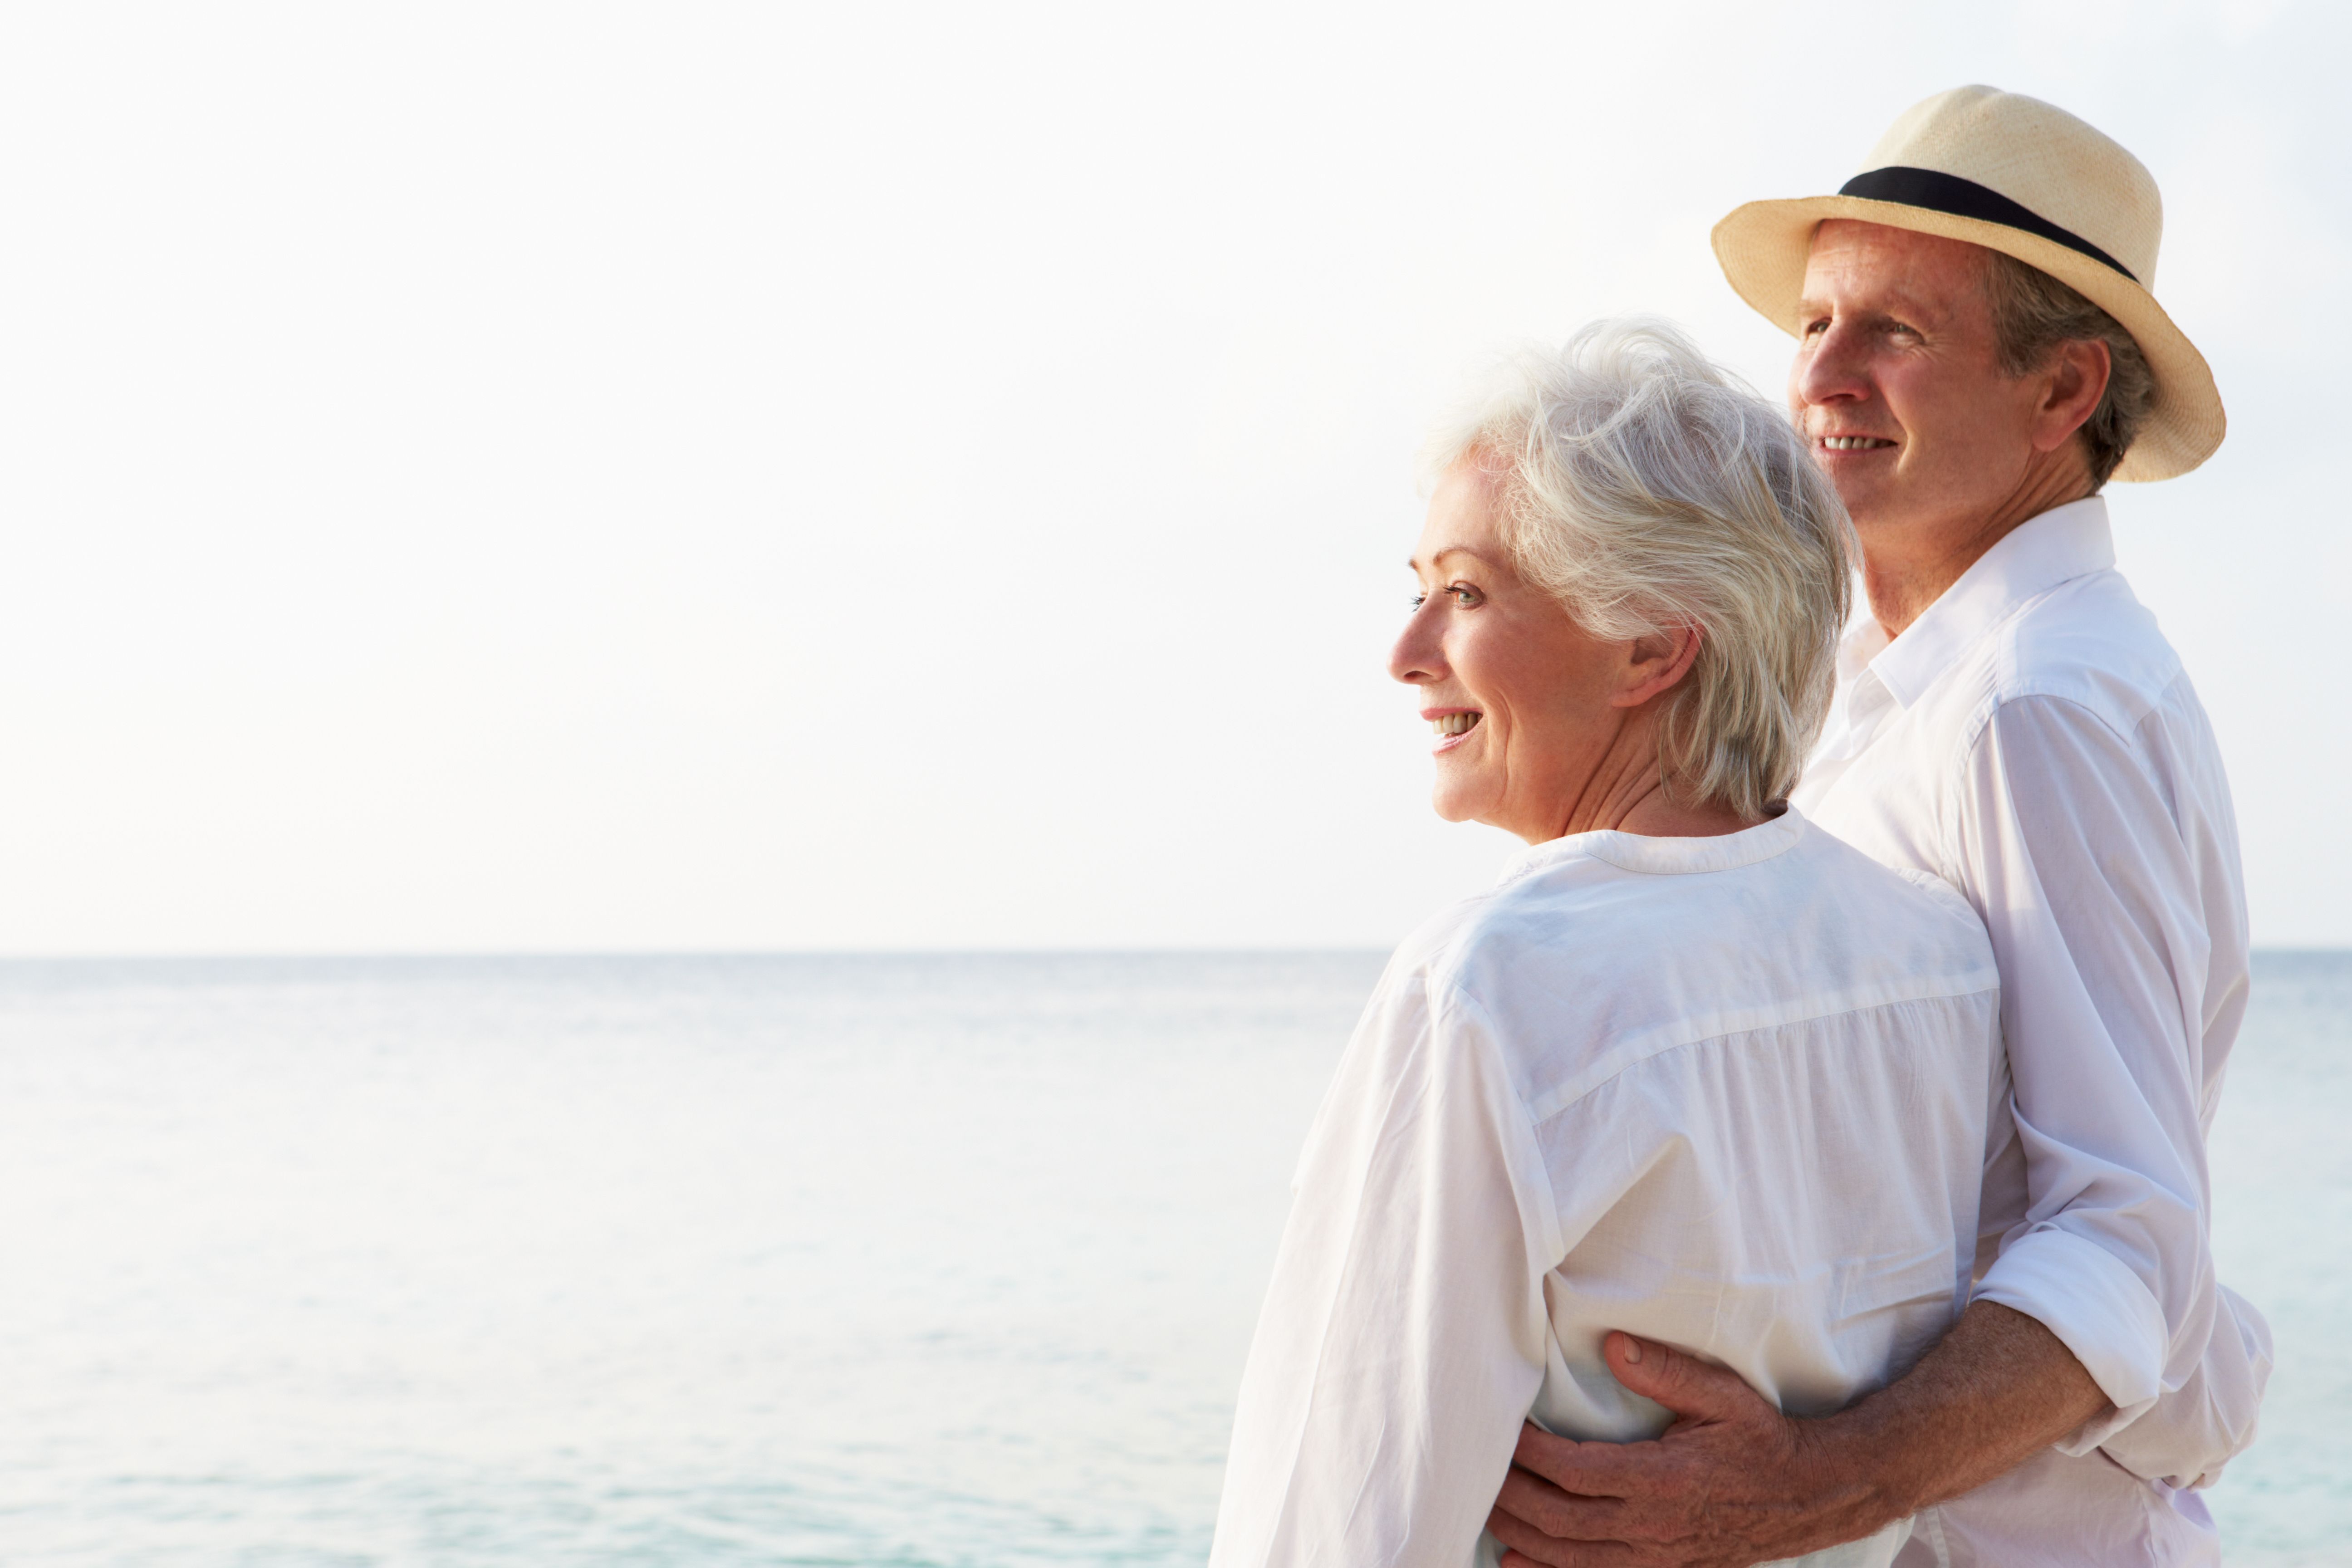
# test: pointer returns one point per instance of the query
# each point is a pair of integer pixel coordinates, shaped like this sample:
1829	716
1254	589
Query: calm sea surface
937	1260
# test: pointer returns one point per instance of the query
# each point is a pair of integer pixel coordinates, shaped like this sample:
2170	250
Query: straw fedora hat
2018	176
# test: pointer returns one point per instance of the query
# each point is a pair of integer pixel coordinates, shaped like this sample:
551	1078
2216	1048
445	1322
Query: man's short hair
2032	313
1646	489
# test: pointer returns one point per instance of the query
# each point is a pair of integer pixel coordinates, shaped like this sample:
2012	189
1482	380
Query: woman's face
1524	704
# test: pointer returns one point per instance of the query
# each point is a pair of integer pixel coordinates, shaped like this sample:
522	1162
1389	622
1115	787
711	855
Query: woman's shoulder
1531	893
1562	925
1585	945
1900	908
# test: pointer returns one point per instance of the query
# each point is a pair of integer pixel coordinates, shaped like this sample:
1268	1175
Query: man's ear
2074	381
1656	663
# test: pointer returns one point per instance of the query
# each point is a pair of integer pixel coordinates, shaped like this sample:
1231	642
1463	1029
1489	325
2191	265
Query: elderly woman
1692	1068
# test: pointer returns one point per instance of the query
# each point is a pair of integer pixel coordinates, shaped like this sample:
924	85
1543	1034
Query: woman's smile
1451	724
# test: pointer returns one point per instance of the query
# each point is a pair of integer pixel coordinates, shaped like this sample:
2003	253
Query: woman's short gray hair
1648	489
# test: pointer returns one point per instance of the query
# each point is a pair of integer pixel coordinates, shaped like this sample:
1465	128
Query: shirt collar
1662	857
2059	545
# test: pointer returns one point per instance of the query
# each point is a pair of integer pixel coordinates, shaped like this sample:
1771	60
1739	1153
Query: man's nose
1833	367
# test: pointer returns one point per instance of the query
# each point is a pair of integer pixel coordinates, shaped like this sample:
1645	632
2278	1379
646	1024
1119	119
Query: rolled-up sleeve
2070	846
1402	1338
2197	1428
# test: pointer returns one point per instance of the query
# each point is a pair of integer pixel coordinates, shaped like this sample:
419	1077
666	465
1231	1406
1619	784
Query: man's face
1897	384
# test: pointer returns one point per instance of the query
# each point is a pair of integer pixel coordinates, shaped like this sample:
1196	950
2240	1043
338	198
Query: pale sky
552	477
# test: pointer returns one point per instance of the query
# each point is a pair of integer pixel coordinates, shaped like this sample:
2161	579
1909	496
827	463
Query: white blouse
1735	1094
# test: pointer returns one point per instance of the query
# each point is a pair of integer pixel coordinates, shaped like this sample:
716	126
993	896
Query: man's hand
1732	1482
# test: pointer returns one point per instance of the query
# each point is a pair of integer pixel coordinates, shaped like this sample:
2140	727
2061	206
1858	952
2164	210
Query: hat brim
1763	248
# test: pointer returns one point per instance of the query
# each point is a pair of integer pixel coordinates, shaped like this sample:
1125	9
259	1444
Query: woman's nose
1417	659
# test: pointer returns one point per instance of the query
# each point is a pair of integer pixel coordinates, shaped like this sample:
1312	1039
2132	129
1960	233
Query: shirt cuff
2094	1304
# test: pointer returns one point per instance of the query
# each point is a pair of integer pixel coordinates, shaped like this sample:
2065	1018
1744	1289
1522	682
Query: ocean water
854	1260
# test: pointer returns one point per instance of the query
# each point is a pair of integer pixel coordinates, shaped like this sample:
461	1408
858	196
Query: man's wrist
1998	1390
1870	1453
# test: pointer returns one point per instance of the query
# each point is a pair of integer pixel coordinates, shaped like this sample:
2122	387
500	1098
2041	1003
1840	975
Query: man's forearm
1734	1482
1998	1390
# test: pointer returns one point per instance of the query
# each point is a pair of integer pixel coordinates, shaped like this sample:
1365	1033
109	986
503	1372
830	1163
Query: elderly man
1979	353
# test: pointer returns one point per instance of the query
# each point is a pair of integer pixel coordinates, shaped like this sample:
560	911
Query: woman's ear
1654	664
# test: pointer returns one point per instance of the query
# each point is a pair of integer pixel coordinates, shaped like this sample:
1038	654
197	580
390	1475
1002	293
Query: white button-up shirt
2033	740
1737	1094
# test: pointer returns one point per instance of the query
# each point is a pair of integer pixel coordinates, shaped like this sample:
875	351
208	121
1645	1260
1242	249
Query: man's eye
1815	329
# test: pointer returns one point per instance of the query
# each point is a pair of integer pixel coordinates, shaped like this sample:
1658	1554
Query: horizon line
522	953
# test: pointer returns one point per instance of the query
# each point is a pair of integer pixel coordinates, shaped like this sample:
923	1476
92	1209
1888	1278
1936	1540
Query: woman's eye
1463	597
1417	601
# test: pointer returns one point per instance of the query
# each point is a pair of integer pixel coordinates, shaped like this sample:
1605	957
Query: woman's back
1766	1145
1732	1094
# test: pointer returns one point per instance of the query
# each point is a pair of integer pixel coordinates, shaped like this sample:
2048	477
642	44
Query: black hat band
1942	192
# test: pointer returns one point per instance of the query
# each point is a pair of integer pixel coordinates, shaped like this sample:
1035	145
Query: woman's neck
1657	817
1628	794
